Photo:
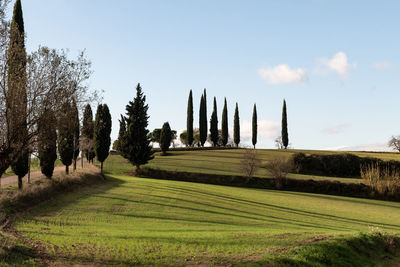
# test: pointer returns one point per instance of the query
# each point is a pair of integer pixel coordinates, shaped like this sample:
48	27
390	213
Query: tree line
220	136
41	94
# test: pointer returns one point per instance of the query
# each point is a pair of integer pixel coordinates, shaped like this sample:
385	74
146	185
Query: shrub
384	181
250	163
341	165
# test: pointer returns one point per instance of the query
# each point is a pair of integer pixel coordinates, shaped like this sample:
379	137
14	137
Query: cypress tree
121	133
214	125
66	136
202	122
47	142
135	142
285	135
224	132
16	94
76	130
190	120
88	131
254	127
165	138
205	114
102	131
236	127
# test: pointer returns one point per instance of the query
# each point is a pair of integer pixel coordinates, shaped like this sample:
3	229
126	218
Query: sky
335	62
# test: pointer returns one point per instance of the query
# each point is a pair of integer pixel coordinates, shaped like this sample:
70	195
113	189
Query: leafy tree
88	132
76	130
214	136
102	131
17	95
236	127
47	142
203	121
121	133
66	136
224	133
190	120
134	142
165	138
155	135
285	136
254	127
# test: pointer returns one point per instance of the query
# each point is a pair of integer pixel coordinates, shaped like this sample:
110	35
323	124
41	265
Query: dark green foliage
66	136
134	142
214	135
122	131
155	135
236	126
165	138
88	133
47	142
189	125
76	129
21	167
224	133
339	165
205	113
203	120
102	131
16	95
285	135
254	126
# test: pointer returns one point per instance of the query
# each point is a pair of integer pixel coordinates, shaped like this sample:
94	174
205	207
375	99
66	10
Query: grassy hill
138	221
227	162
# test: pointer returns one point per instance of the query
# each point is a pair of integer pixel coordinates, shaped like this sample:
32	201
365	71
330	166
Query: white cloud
336	129
338	63
265	129
381	65
282	74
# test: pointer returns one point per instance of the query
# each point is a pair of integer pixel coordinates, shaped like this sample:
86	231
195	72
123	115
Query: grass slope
132	220
227	162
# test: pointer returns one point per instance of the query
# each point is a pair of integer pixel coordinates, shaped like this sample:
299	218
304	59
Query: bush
383	181
340	165
250	163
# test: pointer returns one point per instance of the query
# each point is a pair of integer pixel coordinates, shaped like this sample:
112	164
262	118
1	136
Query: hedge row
328	187
340	165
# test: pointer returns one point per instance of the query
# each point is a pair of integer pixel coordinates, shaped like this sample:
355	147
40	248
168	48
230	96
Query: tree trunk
82	160
137	169
66	170
101	167
19	182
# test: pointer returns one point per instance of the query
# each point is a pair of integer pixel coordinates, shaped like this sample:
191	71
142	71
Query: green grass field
227	162
140	221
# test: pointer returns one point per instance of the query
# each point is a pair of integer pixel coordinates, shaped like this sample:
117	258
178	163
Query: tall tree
76	130
224	132
66	136
285	135
205	114
236	126
165	138
87	133
121	134
47	142
135	142
189	126
202	121
102	131
17	94
254	127
214	125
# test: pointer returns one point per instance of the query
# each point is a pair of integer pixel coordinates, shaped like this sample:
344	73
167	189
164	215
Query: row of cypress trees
221	139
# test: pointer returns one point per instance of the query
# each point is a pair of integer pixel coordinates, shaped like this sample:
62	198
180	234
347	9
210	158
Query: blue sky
336	63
